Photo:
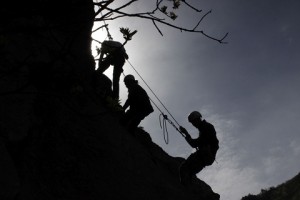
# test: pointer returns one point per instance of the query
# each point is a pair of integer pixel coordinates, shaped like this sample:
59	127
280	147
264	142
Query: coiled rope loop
163	118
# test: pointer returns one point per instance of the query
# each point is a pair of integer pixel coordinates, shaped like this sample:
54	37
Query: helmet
129	77
194	115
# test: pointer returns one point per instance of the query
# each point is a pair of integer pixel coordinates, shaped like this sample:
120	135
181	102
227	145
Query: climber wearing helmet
138	102
206	146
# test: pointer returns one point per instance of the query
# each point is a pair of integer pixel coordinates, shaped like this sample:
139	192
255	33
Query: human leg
133	124
104	65
116	78
190	167
125	118
131	120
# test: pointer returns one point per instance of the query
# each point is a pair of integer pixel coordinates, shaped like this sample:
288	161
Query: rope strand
154	93
163	125
163	119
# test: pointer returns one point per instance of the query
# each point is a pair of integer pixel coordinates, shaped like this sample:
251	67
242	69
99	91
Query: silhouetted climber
138	102
115	55
207	145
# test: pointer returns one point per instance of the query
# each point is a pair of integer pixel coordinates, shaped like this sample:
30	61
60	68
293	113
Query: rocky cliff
59	137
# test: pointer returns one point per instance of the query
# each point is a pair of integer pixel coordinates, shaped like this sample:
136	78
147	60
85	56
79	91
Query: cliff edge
59	136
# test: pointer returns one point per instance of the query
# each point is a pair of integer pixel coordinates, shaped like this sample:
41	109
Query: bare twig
102	7
202	19
113	14
96	41
102	2
192	7
122	14
157	28
103	26
224	38
218	40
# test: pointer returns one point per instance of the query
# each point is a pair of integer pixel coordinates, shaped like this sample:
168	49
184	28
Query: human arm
104	50
101	56
184	131
188	138
100	59
192	142
126	105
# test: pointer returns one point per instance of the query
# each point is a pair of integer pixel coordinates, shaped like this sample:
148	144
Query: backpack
214	146
213	143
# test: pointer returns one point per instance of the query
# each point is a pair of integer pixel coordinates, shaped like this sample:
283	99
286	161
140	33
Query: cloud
248	89
295	146
230	179
228	176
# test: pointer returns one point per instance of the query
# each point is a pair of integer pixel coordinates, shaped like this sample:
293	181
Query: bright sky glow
248	88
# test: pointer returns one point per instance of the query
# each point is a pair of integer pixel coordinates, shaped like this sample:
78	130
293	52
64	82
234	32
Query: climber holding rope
206	145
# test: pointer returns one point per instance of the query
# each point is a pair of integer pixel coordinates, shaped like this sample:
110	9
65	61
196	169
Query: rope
162	117
163	125
154	93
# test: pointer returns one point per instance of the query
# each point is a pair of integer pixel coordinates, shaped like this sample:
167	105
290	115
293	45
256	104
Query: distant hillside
289	190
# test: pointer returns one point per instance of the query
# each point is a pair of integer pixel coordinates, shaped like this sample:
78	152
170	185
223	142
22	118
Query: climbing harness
163	118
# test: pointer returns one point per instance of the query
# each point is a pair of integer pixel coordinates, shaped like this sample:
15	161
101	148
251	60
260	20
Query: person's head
195	118
129	80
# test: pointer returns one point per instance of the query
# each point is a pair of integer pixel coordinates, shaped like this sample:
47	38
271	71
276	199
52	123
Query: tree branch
189	5
122	14
157	28
201	19
150	16
102	7
103	26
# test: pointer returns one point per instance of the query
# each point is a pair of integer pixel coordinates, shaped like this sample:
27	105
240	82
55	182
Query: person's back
114	48
208	137
209	134
109	46
139	99
138	102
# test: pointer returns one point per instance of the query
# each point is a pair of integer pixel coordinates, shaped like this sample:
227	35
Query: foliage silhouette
286	191
107	11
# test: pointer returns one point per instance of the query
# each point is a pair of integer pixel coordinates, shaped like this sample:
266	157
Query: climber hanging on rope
115	54
207	145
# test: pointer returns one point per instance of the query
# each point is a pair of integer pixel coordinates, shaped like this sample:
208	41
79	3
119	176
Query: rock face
59	138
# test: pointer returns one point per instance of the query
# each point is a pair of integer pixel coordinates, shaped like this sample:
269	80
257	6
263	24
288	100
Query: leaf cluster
127	33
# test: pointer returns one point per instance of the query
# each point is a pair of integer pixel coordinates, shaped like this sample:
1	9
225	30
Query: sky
248	88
